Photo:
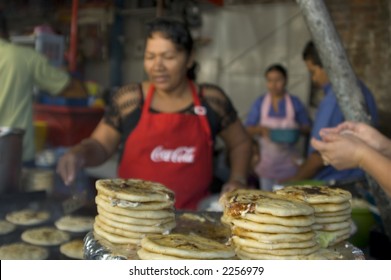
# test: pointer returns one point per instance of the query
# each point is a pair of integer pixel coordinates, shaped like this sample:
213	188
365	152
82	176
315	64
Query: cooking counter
38	201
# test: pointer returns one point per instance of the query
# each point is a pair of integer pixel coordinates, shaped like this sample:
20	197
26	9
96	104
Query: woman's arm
378	166
348	151
238	144
308	169
258	130
92	151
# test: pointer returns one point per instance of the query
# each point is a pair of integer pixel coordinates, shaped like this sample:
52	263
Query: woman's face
275	82
165	65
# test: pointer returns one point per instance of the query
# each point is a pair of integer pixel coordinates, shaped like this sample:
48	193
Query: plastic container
67	125
50	45
62	101
285	136
41	131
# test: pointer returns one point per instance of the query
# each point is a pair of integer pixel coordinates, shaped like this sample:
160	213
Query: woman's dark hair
176	31
310	53
278	68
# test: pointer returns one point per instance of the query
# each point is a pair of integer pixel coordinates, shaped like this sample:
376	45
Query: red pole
73	38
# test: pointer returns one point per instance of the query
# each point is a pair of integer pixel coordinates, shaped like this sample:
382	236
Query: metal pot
11	147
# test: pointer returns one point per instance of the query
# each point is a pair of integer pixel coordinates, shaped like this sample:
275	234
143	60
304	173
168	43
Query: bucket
11	146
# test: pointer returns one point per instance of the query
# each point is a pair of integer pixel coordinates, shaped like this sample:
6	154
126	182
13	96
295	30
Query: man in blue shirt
329	114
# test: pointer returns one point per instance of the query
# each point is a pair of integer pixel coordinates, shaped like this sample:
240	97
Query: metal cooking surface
38	201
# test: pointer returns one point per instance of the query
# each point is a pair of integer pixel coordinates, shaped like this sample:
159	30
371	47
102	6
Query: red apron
173	149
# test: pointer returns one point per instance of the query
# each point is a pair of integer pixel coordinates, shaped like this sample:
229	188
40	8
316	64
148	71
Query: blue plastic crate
62	101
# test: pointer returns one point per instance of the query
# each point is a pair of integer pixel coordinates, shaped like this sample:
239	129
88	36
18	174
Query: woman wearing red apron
181	160
274	110
165	127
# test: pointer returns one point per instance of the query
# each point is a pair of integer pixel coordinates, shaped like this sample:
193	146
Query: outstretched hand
340	150
68	166
364	132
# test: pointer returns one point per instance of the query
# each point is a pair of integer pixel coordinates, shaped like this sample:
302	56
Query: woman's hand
233	185
364	132
69	165
341	151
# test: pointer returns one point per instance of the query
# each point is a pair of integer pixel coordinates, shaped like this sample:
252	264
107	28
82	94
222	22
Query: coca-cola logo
178	155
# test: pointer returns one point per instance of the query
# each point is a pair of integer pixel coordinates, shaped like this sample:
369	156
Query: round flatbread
158	205
268	228
339	239
75	223
281	252
248	242
274	237
27	217
243	255
332	226
134	190
73	249
241	202
285	221
117	231
335	219
331	207
316	194
23	251
144	214
6	227
146	255
113	238
46	236
132	221
139	228
346	211
325	254
336	233
186	246
234	196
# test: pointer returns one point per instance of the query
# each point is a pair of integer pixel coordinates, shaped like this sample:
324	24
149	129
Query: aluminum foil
206	224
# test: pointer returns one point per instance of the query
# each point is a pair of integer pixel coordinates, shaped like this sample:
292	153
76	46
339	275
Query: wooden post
343	80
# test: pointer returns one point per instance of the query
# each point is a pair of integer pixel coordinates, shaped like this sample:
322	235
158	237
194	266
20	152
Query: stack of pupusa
269	226
128	209
180	246
332	211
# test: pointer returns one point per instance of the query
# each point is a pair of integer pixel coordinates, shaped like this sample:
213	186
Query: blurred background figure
277	112
328	114
22	68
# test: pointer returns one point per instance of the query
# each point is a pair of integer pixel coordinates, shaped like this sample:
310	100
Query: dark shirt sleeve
221	112
254	116
124	109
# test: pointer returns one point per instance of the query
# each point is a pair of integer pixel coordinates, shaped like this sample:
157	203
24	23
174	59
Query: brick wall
365	30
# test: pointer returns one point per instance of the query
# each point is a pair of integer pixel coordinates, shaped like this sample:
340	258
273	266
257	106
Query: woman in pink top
276	109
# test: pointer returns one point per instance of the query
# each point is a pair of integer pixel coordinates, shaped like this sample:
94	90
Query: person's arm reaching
308	169
92	151
238	145
258	131
365	132
378	166
348	151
